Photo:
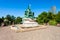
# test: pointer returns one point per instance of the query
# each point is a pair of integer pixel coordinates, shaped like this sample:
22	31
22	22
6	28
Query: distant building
53	9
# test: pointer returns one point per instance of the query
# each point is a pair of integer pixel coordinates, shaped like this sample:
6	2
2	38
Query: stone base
28	22
20	28
32	24
31	29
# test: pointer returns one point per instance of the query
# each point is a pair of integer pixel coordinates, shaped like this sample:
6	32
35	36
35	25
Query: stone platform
28	22
24	29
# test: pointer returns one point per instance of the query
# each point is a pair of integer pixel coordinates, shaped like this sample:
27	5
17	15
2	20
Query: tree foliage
8	20
46	17
52	22
18	20
42	18
1	20
58	17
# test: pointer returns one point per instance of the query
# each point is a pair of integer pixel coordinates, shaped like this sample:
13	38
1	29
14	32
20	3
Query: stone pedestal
27	22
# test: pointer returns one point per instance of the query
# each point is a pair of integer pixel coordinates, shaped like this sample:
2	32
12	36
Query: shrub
52	22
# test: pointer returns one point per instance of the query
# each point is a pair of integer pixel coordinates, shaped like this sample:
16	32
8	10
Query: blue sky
17	7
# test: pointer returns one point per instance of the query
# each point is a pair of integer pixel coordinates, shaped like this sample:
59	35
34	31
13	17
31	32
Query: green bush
6	23
52	22
0	24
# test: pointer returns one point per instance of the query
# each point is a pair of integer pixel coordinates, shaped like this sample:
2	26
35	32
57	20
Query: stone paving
49	33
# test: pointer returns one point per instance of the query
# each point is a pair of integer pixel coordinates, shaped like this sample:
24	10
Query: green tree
51	16
42	18
18	20
10	19
1	20
58	17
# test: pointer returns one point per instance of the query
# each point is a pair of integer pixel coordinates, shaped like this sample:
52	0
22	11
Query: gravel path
50	33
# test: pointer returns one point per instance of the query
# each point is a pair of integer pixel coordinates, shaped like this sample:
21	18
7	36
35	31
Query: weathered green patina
29	13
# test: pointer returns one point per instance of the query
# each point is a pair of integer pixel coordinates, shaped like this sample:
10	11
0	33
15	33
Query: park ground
49	33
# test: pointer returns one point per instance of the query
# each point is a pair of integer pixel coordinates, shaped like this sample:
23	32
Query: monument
28	19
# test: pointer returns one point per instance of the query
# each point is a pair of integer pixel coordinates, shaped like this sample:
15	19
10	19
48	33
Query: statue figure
29	13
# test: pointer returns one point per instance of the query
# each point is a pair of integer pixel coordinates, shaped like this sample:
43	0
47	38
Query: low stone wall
28	29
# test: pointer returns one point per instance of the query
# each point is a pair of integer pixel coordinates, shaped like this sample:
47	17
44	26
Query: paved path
50	33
